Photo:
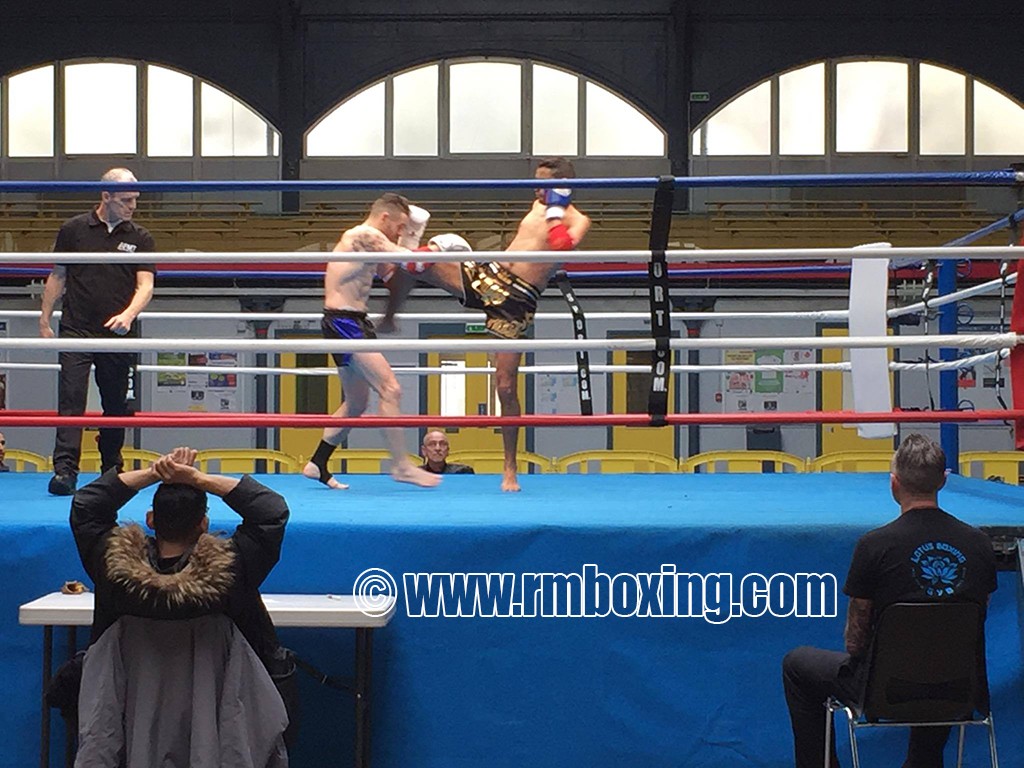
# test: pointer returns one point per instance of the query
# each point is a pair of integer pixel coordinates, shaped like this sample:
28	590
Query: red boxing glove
559	238
416	267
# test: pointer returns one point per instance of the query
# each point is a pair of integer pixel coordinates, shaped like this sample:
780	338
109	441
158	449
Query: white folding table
340	611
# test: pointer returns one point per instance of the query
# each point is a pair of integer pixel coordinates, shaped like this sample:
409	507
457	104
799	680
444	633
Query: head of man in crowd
435	449
918	472
389	214
3	448
179	514
116	205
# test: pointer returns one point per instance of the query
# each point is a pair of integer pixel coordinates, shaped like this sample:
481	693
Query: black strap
579	329
1004	269
661	307
337	683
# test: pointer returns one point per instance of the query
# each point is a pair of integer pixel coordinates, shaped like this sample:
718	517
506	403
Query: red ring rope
310	420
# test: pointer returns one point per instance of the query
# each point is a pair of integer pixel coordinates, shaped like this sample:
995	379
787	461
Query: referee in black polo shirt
100	300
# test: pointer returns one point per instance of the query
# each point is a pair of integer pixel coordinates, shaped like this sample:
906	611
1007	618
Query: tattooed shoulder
366	241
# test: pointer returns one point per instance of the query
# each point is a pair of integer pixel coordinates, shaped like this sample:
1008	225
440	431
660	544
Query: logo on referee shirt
127	247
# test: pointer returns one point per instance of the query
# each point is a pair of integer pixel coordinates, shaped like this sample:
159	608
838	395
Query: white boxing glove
449	242
414	228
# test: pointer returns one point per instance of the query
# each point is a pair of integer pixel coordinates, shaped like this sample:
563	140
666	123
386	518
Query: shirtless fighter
393	226
506	292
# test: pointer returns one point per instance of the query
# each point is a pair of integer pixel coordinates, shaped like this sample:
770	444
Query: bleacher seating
229	224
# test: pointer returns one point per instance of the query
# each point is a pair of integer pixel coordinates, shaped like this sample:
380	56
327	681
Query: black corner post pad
661	213
579	329
661	331
661	307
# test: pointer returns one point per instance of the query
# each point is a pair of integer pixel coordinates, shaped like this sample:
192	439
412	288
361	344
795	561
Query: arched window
495	107
146	111
882	106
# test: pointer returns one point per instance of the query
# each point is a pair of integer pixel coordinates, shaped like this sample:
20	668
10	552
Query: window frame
141	154
697	136
526	104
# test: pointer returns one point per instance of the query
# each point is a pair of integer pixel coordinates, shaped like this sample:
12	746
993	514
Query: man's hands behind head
177	467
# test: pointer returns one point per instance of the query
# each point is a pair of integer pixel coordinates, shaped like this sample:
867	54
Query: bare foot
407	473
510	482
312	471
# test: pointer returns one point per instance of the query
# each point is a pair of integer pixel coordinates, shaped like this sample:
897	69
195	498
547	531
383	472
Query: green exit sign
476	328
700	96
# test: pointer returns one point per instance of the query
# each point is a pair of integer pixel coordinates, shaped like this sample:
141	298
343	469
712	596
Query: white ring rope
988	252
950	298
822	315
949	341
456	371
464	317
952	365
959	363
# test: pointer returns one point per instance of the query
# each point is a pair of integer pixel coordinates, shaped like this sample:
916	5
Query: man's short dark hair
560	167
390	202
178	511
920	465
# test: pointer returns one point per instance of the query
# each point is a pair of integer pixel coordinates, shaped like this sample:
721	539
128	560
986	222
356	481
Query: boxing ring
638	682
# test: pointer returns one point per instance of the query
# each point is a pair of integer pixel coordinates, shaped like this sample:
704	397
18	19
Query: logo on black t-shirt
938	568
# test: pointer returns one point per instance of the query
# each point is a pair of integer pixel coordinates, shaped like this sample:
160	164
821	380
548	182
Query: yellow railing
1007	466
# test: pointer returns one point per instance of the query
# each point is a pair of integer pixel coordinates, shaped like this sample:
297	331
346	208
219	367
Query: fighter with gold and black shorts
345	324
508	301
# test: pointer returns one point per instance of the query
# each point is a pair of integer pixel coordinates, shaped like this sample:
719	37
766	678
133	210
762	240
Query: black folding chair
926	668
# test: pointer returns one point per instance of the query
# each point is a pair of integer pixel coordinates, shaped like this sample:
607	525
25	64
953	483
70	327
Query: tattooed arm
367	239
347	284
858	626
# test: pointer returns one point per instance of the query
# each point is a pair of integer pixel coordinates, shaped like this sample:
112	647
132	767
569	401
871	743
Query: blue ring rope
1004	177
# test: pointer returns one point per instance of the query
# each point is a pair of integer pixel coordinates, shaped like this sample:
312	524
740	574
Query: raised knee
793	660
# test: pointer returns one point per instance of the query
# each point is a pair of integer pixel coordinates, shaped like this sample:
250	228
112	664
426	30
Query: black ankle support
321	457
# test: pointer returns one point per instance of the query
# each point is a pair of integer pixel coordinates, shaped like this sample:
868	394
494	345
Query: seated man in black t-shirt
435	456
892	564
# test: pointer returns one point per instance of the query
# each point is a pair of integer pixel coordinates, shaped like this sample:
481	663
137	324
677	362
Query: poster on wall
798	382
557	393
768	382
212	390
168	378
760	391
